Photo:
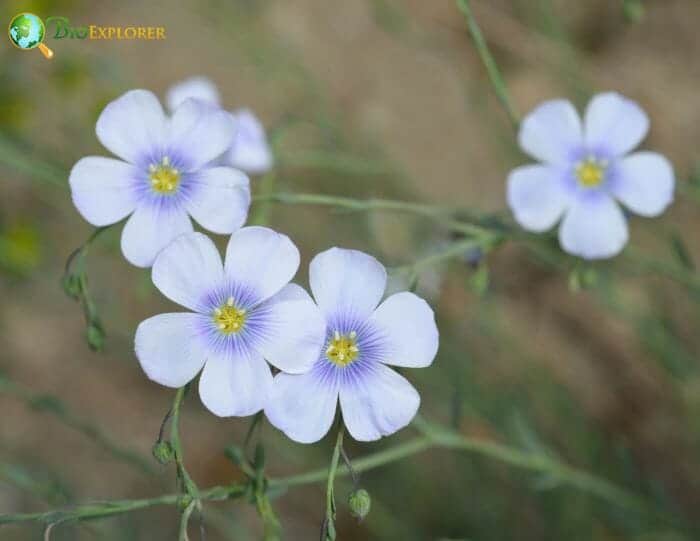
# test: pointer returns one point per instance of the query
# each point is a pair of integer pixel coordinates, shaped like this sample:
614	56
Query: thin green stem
455	249
437	213
188	484
494	73
329	522
98	510
185	520
682	275
75	284
432	436
57	408
261	213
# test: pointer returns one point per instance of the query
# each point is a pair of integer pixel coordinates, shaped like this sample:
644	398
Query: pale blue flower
362	337
243	313
586	173
249	150
165	174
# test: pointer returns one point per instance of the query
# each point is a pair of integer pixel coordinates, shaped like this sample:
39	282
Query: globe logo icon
27	32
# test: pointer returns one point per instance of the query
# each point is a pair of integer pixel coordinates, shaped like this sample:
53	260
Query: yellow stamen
165	179
228	318
590	172
342	349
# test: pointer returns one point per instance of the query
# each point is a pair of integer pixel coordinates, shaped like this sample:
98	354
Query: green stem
455	249
432	436
487	59
437	213
260	215
98	510
329	523
57	408
676	273
188	484
185	519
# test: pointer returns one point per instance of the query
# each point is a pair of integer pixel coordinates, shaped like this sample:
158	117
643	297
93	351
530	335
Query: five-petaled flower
249	150
362	337
586	170
165	174
244	312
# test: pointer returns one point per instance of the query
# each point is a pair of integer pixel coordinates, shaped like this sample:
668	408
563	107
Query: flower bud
184	501
71	286
634	10
95	337
163	452
360	503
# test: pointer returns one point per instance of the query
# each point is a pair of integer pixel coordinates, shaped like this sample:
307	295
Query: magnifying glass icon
27	32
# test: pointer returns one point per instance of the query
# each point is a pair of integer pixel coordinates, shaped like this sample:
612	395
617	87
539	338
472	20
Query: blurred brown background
366	98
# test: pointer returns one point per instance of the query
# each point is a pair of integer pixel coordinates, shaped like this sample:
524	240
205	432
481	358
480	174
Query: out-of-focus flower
244	312
362	337
198	88
164	176
250	150
586	172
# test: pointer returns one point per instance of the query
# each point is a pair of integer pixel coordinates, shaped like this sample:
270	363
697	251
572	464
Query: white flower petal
133	125
378	404
551	131
200	132
348	280
644	183
235	386
149	230
188	269
594	228
250	150
169	348
537	196
220	200
302	406
296	332
261	259
199	88
103	189
408	323
292	292
614	124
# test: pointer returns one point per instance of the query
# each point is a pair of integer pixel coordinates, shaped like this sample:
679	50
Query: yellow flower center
342	349
590	172
228	318
165	179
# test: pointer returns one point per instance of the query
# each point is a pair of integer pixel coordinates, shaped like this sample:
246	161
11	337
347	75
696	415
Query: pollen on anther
342	348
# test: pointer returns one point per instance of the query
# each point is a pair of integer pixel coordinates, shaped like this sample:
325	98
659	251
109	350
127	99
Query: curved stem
437	213
185	520
54	406
432	436
187	482
329	523
499	85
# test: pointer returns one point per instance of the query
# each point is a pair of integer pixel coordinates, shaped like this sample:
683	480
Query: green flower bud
71	286
634	10
360	503
95	337
163	452
184	501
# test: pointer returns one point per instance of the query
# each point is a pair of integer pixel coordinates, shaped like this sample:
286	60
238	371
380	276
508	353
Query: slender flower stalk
432	436
328	530
490	64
